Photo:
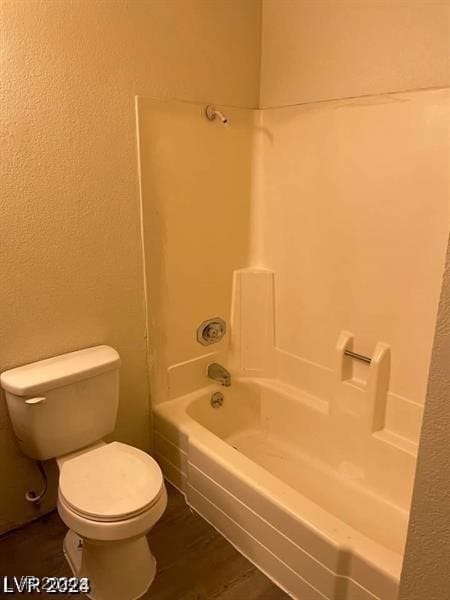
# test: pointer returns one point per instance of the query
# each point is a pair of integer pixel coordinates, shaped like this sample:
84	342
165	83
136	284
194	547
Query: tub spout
219	374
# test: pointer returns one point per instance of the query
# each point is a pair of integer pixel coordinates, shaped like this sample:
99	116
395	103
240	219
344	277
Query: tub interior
357	477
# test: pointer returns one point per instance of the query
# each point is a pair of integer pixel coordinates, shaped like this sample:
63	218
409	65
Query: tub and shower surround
269	470
303	467
333	200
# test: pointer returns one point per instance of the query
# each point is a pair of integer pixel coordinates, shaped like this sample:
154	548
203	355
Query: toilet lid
113	482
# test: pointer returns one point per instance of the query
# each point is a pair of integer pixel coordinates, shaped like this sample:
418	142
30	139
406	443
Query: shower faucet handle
211	331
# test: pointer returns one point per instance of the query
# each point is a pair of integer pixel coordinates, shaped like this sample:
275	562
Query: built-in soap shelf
353	390
355	387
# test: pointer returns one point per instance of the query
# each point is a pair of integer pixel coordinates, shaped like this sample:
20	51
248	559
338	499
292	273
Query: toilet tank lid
58	371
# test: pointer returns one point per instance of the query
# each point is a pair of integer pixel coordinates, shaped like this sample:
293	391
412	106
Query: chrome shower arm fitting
211	113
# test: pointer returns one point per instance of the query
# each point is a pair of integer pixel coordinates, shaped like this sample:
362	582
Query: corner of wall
425	569
261	57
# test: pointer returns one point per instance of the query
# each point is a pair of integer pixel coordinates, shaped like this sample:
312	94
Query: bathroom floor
194	561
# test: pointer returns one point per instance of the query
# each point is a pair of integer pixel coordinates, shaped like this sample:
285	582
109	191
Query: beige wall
355	226
425	571
321	49
71	270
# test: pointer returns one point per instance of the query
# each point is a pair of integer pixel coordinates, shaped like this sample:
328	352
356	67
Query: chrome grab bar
361	357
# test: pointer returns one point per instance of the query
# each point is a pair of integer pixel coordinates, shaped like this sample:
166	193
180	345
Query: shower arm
211	113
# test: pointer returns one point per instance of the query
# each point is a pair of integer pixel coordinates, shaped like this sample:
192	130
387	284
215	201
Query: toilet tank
61	404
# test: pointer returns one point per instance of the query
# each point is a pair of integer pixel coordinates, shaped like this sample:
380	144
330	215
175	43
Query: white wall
70	239
341	199
361	201
355	226
321	49
425	570
196	190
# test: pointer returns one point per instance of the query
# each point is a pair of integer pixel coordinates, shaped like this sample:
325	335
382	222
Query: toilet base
122	570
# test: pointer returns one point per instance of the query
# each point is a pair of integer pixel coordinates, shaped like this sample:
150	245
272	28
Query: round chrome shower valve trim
211	331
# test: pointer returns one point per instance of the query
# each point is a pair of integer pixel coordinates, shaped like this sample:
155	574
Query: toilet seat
111	483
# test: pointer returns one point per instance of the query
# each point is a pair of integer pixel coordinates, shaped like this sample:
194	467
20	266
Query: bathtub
319	506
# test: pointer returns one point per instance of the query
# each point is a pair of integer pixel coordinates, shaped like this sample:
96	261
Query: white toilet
109	495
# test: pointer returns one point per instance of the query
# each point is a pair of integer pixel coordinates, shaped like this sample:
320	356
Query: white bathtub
322	509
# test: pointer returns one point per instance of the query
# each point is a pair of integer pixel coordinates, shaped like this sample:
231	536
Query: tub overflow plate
217	400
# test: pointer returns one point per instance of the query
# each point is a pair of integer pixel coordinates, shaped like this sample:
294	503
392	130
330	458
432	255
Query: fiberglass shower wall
196	180
354	225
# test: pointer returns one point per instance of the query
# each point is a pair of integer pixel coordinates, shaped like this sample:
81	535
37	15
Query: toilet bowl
110	497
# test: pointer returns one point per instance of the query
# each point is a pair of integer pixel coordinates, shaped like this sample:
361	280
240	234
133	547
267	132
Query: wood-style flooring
194	561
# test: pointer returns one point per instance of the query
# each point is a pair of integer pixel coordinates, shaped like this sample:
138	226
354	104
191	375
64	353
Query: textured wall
426	572
71	269
321	49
